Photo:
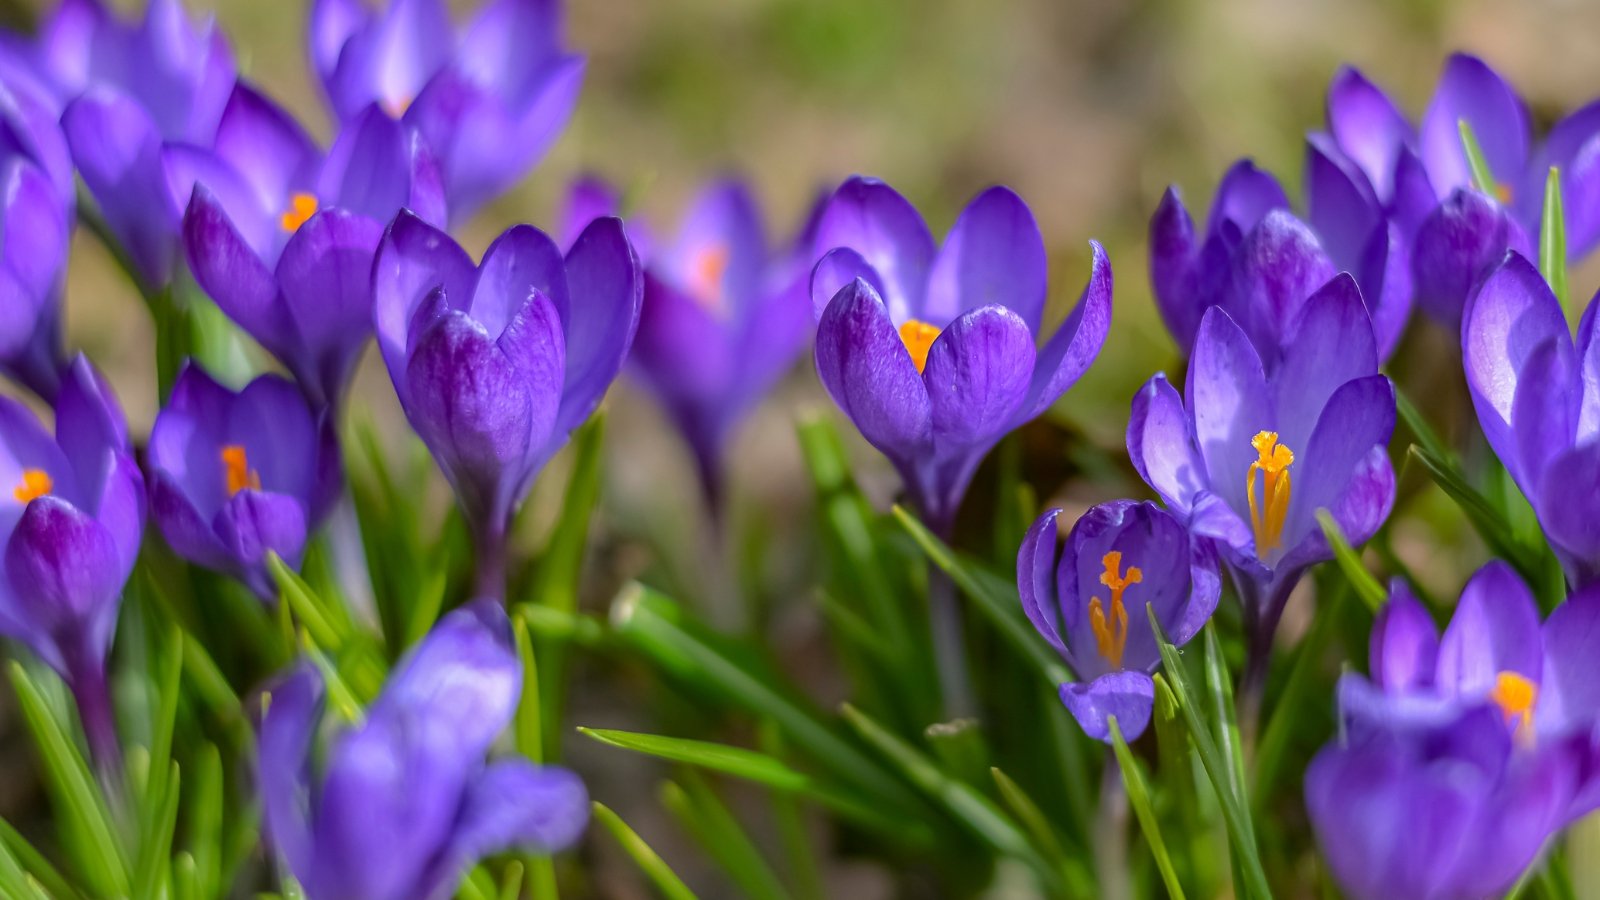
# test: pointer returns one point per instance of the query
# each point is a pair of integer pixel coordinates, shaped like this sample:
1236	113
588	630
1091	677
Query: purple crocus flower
490	101
932	351
495	364
1537	394
71	518
405	802
1422	174
1089	602
35	230
1260	262
283	236
1263	443
235	476
724	315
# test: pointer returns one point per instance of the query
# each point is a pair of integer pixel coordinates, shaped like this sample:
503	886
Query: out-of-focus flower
1452	809
724	314
1537	395
495	364
931	350
72	514
35	230
1261	263
1422	176
489	101
1089	602
405	802
1262	444
235	476
283	236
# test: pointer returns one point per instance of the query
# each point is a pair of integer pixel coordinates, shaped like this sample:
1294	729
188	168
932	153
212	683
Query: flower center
1268	512
396	106
918	337
237	466
705	275
35	483
302	206
1516	697
1111	631
1502	192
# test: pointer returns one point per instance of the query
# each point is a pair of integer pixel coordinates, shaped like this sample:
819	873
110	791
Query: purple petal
1495	629
1161	445
1244	197
1562	500
1384	273
266	146
872	219
1129	696
1405	643
325	274
606	288
517	805
722	222
1455	245
993	255
1469	89
521	262
977	375
271	420
1368	127
1075	345
66	573
1229	403
834	272
589	197
687	358
229	270
331	24
253	523
377	167
390	58
117	149
1329	343
512	42
1569	694
1340	203
89	423
1173	252
413	260
283	764
1036	580
182	525
1588	344
869	373
1358	417
1279	264
1366	501
1544	411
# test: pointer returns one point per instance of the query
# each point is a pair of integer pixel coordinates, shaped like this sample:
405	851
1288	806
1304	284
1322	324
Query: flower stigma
302	206
237	466
35	483
1111	635
1516	697
918	336
1267	514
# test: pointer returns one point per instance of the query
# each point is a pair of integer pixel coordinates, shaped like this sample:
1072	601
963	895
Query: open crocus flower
283	236
724	315
1260	262
495	364
71	516
1452	809
235	476
490	102
1089	602
404	803
1422	173
1537	394
931	351
1260	446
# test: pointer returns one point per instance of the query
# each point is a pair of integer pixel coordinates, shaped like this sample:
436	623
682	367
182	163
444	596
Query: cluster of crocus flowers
72	514
1091	600
1259	443
404	801
496	364
932	351
1465	752
489	101
1537	394
724	314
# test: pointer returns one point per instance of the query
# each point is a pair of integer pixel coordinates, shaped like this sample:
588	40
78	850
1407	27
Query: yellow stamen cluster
35	483
918	337
1516	697
1111	631
302	207
710	264
1268	513
237	466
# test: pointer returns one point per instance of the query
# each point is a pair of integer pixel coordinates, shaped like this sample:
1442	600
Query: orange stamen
918	337
302	206
237	466
35	483
1516	697
1267	515
1111	637
710	264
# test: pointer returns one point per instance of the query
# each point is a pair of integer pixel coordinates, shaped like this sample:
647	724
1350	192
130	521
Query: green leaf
327	625
996	598
511	881
1482	177
1297	692
530	737
155	847
1219	689
760	768
1038	826
203	823
83	812
1139	799
648	861
36	866
804	876
1235	815
15	882
1349	561
972	810
1420	429
1553	238
163	724
708	819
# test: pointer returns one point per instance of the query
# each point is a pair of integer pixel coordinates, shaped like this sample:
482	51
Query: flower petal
283	764
872	219
1568	519
1036	580
515	804
1129	696
606	286
229	270
1468	89
977	375
1074	346
1455	245
869	373
993	255
1569	694
1358	417
117	149
1279	264
1404	646
1328	344
722	223
1340	203
1544	411
1368	126
834	272
413	259
325	274
1173	253
1495	629
1229	403
1161	444
520	262
1245	196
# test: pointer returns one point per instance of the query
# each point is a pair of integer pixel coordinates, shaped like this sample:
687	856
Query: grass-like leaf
1367	588
649	862
1482	176
1139	798
699	809
1553	238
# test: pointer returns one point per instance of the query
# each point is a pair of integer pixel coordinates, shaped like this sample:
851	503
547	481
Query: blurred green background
1088	108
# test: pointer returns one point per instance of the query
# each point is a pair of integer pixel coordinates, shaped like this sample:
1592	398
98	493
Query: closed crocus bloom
724	315
405	802
1423	176
71	516
1255	447
283	236
235	476
1089	600
932	351
1537	394
495	364
1261	263
1451	809
489	100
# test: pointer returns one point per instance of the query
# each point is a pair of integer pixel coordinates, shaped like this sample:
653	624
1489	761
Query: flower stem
949	646
1111	834
92	692
490	580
